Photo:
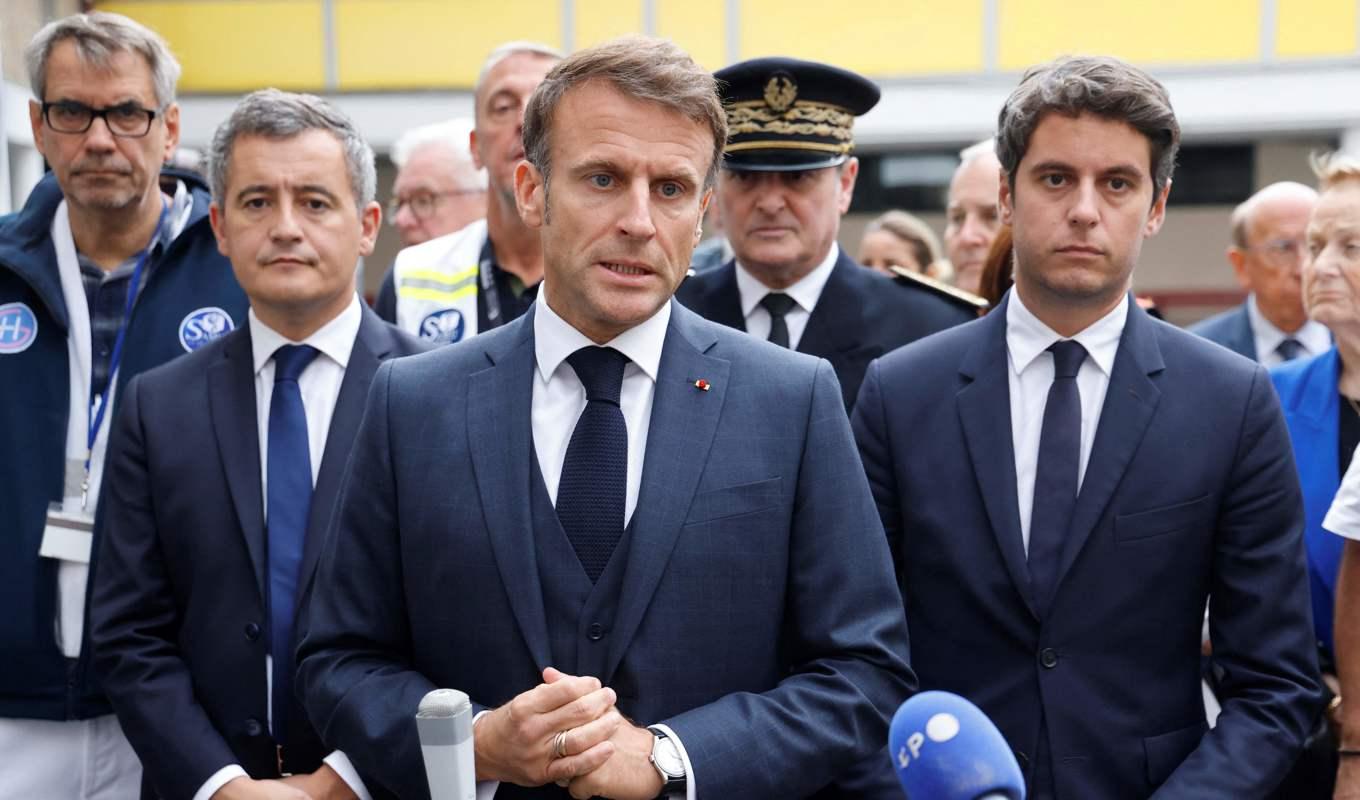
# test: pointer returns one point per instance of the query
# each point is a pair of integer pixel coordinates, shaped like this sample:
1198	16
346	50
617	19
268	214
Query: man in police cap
787	179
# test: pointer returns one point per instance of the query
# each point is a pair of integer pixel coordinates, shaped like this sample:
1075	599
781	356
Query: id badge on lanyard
69	531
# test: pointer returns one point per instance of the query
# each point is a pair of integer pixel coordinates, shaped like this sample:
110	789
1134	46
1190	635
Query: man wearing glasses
486	274
438	189
102	276
1267	253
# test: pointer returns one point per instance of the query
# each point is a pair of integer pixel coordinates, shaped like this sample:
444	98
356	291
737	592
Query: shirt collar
335	339
1313	335
1027	336
555	339
805	292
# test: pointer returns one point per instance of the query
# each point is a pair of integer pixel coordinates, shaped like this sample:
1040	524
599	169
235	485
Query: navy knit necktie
1289	349
594	485
778	304
289	503
1055	477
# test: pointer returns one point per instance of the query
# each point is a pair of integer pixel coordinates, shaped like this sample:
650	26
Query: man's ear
849	171
1005	200
1158	214
215	218
530	193
370	223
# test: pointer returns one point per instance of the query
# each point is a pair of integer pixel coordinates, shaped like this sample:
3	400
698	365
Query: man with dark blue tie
641	542
1066	481
224	466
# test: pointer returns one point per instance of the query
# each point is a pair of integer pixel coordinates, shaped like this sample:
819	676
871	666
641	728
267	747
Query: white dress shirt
804	293
1031	375
1343	517
319	385
558	400
1313	337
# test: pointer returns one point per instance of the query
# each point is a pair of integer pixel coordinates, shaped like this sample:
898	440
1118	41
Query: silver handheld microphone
444	723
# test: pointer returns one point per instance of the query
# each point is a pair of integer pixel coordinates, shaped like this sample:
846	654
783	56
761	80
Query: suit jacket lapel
985	413
1130	401
500	438
723	300
370	347
830	333
1243	336
231	402
683	423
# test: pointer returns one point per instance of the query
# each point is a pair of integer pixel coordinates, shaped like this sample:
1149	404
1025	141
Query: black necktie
594	485
1055	477
778	304
289	483
1289	349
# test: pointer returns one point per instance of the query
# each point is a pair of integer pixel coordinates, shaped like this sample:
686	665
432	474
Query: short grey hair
1106	87
508	49
1245	213
97	36
977	150
1334	169
452	135
282	115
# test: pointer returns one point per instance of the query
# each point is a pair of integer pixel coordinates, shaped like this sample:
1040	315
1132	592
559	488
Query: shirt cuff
684	758
339	762
485	789
219	779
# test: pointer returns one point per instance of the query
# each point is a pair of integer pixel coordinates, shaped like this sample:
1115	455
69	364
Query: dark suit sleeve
845	638
870	422
354	668
134	624
1260	622
385	304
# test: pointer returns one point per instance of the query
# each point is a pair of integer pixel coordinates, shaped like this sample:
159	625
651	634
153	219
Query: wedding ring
560	745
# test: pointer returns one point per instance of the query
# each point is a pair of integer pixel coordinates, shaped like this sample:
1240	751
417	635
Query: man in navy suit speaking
224	466
1066	481
641	542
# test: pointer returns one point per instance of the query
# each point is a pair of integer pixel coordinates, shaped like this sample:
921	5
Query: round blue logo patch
203	326
443	327
18	328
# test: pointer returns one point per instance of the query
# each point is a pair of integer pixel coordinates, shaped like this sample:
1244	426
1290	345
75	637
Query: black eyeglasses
127	119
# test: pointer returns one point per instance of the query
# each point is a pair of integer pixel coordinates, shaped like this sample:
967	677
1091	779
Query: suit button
1048	657
252	631
253	727
595	632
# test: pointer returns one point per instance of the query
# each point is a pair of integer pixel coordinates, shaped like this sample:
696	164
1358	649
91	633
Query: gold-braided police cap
784	114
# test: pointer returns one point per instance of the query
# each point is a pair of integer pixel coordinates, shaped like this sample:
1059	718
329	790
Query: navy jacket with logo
189	277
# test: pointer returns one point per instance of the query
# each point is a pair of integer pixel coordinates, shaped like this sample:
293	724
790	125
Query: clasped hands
567	731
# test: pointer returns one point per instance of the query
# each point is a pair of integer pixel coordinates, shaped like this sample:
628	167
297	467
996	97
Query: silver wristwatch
665	758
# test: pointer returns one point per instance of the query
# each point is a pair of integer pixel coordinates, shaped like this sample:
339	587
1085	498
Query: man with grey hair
438	189
233	446
971	215
1067	481
487	273
1267	254
103	274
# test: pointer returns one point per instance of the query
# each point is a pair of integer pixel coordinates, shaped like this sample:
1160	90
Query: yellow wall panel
699	26
238	45
1315	28
598	20
400	44
876	37
1148	32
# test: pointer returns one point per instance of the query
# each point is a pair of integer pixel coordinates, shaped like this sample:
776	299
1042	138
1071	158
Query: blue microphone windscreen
944	748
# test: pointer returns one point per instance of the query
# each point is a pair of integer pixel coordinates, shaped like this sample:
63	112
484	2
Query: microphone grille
443	703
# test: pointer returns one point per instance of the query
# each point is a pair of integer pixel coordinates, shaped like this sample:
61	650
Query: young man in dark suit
1067	481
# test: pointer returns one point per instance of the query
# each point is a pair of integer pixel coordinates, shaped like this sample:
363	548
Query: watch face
667	758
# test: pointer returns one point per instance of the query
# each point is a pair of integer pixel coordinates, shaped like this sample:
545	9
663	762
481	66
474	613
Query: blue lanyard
102	405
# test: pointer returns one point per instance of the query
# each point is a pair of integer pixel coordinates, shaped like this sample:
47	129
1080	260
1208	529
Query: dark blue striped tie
289	503
594	485
1055	476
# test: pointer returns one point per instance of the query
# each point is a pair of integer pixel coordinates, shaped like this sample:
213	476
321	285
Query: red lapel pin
702	385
